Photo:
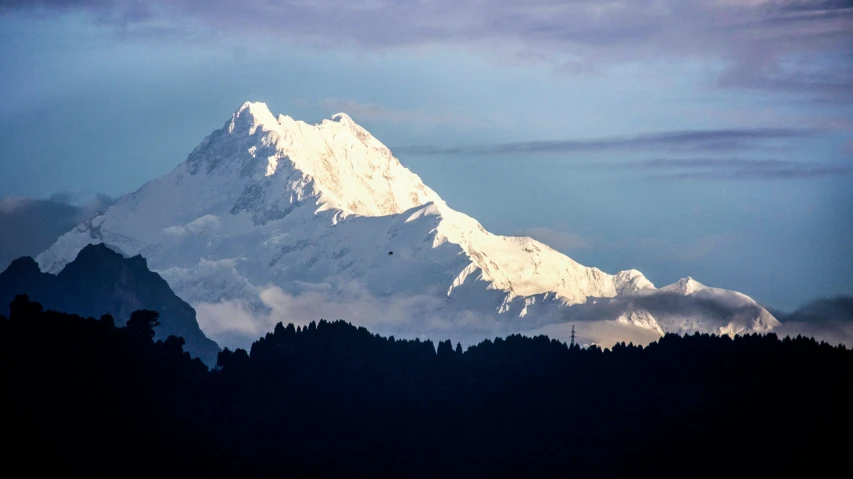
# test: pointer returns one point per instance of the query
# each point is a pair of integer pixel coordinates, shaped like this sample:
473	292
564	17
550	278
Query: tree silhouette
21	307
108	320
332	399
445	348
143	322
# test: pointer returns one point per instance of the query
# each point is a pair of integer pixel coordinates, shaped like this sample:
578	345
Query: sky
711	139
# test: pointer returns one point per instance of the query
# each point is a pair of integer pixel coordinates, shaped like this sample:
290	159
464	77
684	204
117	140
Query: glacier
272	219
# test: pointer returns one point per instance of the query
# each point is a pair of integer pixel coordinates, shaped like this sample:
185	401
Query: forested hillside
81	395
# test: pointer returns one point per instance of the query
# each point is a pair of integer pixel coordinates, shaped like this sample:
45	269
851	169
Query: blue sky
710	139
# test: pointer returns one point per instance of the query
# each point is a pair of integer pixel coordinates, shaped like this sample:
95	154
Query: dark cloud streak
786	173
690	163
733	169
689	140
826	319
823	310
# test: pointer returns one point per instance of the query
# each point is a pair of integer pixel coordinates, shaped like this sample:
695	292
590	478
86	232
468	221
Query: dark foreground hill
102	281
82	397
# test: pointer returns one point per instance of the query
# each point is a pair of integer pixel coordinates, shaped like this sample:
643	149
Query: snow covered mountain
271	219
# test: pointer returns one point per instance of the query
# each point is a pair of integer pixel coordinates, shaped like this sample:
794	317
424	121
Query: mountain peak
686	285
24	266
253	108
631	281
250	116
102	257
342	118
278	163
99	250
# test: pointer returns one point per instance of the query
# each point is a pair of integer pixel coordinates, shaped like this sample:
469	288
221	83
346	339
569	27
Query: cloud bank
235	324
827	319
792	46
28	226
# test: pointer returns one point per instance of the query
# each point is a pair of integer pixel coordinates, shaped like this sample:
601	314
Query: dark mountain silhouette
101	281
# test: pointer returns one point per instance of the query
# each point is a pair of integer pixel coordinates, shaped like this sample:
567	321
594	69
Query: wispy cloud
371	111
776	45
732	169
693	163
687	140
708	142
792	172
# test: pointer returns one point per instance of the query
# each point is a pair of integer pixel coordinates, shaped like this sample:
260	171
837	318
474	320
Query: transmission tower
573	337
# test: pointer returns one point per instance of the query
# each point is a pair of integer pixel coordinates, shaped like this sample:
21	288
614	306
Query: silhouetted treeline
100	280
331	399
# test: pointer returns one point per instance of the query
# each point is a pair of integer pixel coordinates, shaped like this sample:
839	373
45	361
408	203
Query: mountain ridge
274	204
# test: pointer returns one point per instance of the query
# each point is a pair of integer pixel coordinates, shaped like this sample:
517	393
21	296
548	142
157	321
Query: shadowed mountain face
102	281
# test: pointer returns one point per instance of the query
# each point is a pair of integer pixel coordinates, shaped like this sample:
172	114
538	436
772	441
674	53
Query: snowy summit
272	219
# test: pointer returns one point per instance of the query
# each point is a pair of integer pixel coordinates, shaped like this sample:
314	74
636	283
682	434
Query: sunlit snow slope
272	219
